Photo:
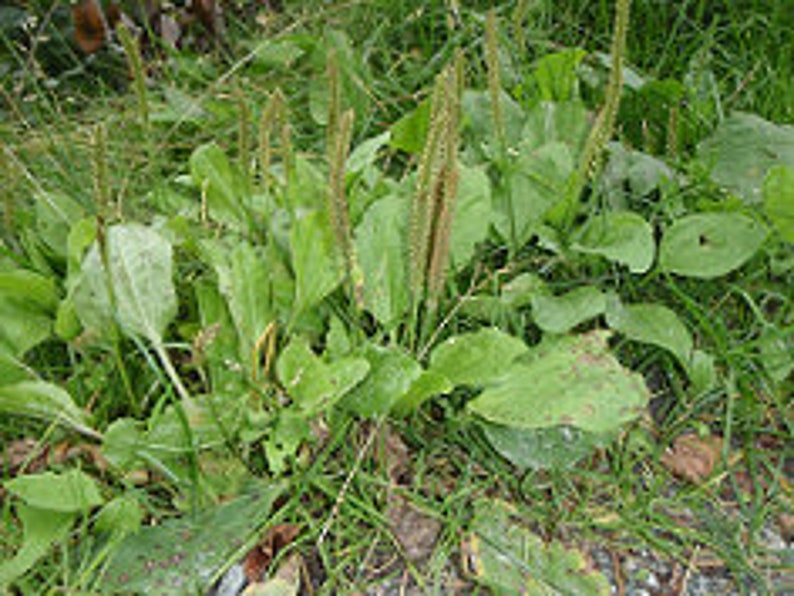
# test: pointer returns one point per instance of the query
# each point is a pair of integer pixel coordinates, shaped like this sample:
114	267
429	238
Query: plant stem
133	51
590	159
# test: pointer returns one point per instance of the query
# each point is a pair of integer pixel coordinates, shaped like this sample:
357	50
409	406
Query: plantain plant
329	288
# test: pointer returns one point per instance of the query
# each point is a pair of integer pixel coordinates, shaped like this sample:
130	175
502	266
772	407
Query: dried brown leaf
693	458
261	556
90	25
285	581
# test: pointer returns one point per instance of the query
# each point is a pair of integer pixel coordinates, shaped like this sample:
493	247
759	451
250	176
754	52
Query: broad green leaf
255	282
510	559
27	310
565	122
223	186
141	278
90	295
556	75
122	443
537	184
120	516
381	254
779	200
247	287
13	370
224	475
36	254
704	98
315	259
71	492
179	108
337	340
473	215
364	155
81	237
281	53
67	324
651	324
55	216
312	384
410	132
486	308
290	431
211	419
777	352
551	141
218	342
140	265
307	186
391	374
519	291
43	400
477	119
570	380
425	386
476	358
707	245
560	314
743	149
621	236
631	175
556	447
354	78
42	528
183	555
702	372
127	447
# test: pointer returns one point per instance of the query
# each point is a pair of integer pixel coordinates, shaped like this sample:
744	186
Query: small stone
232	582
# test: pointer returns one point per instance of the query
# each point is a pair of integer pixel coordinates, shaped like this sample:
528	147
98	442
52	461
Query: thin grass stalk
174	385
274	118
102	201
132	50
447	188
604	126
267	121
672	133
334	103
497	114
420	212
9	189
518	17
286	140
99	162
338	132
337	197
494	82
243	135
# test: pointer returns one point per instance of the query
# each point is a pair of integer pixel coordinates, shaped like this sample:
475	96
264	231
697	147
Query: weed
479	282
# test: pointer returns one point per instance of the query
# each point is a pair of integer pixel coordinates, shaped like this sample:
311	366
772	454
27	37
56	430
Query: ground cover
355	298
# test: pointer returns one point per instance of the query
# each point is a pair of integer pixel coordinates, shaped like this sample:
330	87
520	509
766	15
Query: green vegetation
390	293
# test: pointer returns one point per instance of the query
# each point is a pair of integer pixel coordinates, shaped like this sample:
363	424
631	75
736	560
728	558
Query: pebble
232	582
